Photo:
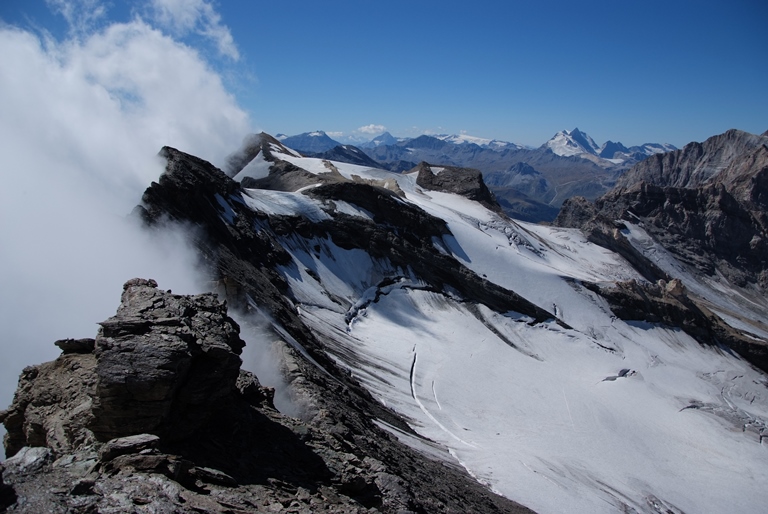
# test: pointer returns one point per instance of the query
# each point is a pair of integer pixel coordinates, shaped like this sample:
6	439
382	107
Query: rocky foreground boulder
155	415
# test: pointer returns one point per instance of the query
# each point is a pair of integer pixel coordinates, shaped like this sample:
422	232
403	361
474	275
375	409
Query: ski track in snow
683	429
424	409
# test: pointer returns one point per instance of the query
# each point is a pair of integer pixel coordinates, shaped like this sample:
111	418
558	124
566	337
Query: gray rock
84	486
51	406
76	345
467	182
130	444
164	363
213	476
27	460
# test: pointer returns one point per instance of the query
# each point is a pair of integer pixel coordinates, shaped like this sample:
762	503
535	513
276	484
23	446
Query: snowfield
605	416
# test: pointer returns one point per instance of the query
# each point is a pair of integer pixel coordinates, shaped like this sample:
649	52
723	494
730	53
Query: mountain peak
570	143
310	142
381	140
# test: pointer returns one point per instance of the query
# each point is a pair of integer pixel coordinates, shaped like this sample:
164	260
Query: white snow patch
281	150
548	431
284	203
227	213
352	210
256	169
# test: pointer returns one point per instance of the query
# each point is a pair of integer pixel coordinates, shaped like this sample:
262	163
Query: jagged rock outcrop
669	303
165	364
158	417
698	164
467	182
705	203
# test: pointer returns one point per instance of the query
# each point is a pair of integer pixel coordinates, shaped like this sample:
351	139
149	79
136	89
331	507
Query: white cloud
372	129
183	17
335	134
81	15
81	122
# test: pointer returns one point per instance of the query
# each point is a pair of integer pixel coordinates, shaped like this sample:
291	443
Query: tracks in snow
424	409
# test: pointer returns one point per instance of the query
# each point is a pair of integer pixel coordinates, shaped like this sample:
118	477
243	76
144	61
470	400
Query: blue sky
672	71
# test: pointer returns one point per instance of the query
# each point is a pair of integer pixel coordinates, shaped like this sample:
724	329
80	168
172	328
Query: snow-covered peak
654	148
574	142
493	144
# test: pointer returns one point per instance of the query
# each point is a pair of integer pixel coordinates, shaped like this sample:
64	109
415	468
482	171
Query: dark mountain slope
706	203
346	153
698	164
311	142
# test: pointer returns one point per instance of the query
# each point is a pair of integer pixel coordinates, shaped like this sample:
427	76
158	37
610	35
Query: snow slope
493	144
592	414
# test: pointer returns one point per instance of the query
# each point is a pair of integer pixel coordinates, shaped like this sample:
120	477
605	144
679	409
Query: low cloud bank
81	122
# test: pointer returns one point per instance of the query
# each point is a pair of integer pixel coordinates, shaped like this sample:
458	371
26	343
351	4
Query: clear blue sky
654	71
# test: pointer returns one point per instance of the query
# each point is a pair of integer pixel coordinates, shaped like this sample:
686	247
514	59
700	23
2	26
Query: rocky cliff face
155	415
706	204
719	159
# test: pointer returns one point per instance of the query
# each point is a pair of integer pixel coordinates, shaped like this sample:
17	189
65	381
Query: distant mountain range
530	183
576	143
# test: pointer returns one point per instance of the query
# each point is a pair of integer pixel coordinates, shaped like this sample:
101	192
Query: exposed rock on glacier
466	182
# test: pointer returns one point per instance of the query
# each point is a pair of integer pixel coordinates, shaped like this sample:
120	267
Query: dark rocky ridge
696	164
200	434
245	248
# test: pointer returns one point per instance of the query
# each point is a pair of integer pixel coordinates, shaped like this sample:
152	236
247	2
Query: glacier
581	412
